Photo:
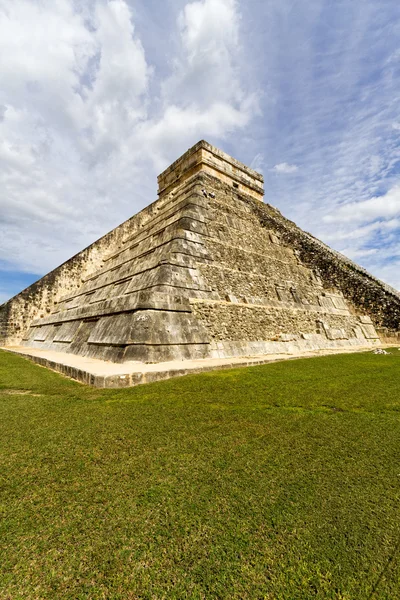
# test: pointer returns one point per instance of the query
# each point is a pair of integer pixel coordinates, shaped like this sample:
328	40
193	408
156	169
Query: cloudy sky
97	97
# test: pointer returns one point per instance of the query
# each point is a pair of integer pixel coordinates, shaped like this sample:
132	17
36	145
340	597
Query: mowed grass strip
280	482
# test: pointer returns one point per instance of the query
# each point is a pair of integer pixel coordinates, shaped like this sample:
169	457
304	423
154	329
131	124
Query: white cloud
341	232
385	206
357	253
257	163
204	95
285	168
206	68
81	137
388	272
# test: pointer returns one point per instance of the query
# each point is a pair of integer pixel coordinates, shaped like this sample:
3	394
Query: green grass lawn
280	481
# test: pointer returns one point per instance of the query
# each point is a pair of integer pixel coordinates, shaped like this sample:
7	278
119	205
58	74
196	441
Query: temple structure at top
204	158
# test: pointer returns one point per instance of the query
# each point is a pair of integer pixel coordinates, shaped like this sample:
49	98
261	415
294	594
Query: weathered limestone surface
41	298
206	271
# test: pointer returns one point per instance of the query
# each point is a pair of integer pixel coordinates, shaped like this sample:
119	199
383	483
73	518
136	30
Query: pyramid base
102	374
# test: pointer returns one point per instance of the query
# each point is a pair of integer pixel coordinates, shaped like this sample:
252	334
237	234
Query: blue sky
97	98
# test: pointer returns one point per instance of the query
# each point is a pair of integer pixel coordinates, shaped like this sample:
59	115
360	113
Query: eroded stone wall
238	322
40	299
361	289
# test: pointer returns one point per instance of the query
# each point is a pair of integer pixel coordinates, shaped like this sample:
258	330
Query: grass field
278	482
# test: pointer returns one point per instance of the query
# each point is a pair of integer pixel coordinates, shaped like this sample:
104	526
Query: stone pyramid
208	270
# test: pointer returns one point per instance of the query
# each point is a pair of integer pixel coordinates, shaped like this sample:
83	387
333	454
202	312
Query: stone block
40	334
287	337
339	303
66	332
365	319
336	334
369	332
